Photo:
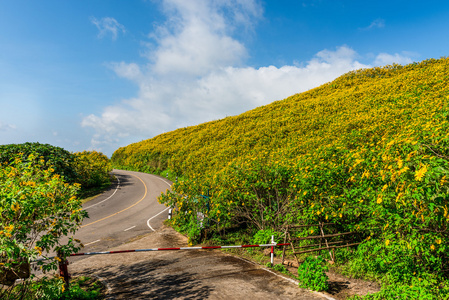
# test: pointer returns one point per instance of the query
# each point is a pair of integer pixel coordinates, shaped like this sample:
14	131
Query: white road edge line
92	243
129	228
148	221
118	185
162	180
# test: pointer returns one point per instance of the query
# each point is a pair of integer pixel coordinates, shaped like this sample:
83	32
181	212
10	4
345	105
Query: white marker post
272	251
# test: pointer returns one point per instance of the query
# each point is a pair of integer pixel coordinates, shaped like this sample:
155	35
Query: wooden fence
322	242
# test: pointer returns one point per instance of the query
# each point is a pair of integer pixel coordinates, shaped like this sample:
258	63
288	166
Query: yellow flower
420	173
438	241
379	200
387	242
39	249
432	247
403	170
15	207
390	143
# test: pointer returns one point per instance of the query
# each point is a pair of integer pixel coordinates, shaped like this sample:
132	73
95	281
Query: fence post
272	251
63	270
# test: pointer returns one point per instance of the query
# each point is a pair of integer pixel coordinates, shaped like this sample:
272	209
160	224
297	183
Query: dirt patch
342	287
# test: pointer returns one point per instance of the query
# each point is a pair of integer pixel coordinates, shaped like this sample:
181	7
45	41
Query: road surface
127	210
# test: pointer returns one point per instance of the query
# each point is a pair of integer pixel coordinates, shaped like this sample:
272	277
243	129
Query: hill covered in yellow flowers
359	109
367	151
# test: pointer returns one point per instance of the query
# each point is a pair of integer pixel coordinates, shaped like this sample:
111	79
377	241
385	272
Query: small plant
312	274
264	236
280	268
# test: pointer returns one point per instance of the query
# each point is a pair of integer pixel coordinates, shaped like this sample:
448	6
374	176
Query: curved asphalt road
127	210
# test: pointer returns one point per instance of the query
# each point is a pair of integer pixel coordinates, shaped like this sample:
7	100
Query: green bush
264	236
312	274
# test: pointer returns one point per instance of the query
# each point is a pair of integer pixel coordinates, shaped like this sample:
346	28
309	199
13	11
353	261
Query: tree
37	208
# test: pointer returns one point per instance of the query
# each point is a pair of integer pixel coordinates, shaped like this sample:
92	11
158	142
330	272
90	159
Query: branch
437	154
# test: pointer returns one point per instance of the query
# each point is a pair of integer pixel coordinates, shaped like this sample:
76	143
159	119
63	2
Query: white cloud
383	59
196	74
7	127
108	26
196	38
378	23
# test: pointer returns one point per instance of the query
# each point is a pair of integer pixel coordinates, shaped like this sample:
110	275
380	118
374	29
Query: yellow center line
124	208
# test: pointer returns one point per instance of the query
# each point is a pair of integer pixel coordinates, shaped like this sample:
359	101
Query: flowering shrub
92	169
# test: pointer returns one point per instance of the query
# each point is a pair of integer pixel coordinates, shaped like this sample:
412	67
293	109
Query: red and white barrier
172	249
65	273
179	248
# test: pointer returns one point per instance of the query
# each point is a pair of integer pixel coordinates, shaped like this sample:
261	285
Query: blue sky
101	74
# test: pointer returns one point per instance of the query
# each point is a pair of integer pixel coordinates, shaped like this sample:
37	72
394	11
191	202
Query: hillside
357	109
367	151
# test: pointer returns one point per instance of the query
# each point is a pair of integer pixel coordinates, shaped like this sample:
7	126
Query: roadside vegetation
367	152
40	188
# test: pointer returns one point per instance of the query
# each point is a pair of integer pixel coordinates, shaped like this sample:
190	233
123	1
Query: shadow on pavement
147	281
124	179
